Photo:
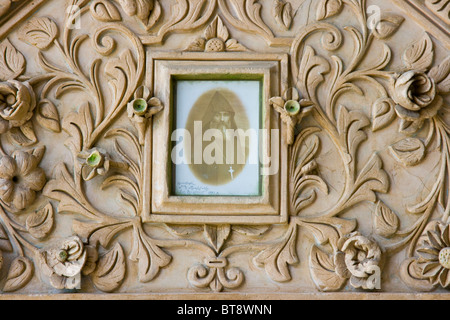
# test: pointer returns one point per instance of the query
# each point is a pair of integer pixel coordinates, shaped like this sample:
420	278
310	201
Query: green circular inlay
63	256
292	107
140	106
94	159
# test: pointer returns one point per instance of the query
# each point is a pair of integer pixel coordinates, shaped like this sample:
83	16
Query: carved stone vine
415	97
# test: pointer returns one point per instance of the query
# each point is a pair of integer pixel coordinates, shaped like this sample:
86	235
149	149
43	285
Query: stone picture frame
269	208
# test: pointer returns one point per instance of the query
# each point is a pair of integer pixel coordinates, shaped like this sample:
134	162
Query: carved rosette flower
94	162
143	108
20	179
358	259
416	97
434	255
291	110
17	103
65	262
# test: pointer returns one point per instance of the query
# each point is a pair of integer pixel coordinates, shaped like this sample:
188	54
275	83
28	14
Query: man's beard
222	126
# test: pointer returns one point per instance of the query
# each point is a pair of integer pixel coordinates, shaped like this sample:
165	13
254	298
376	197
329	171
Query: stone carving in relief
415	97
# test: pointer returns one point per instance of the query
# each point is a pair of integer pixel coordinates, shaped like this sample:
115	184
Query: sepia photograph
218	125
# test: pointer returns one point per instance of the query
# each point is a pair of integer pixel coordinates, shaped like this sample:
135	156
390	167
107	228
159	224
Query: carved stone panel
354	111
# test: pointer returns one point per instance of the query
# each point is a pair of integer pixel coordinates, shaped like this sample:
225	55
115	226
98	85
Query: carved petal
39	32
383	113
328	8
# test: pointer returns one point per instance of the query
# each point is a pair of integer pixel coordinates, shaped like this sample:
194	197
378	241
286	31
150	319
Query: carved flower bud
414	90
94	162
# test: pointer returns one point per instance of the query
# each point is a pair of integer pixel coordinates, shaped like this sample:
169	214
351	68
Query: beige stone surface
359	209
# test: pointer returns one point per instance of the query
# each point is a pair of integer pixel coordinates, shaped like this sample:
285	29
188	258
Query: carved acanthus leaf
105	11
12	62
150	257
410	151
39	32
283	13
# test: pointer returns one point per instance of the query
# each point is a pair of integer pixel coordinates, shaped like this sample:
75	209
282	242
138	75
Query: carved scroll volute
107	134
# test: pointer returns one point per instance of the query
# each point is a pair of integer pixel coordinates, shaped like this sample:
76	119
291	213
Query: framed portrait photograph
217	132
216	149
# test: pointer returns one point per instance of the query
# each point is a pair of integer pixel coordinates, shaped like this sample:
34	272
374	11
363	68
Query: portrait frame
160	204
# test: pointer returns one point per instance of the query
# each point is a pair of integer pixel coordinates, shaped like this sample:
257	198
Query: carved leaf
248	16
5	244
150	257
323	271
441	76
99	233
410	151
371	179
39	32
217	235
40	223
105	11
154	16
386	221
383	113
328	8
233	46
48	116
387	26
71	199
24	136
349	126
20	273
277	258
311	71
12	62
283	13
251	231
110	271
420	55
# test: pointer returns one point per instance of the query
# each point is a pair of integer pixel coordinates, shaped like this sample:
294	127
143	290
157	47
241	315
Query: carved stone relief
361	97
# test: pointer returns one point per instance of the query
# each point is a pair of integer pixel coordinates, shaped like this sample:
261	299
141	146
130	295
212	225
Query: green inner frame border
173	104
